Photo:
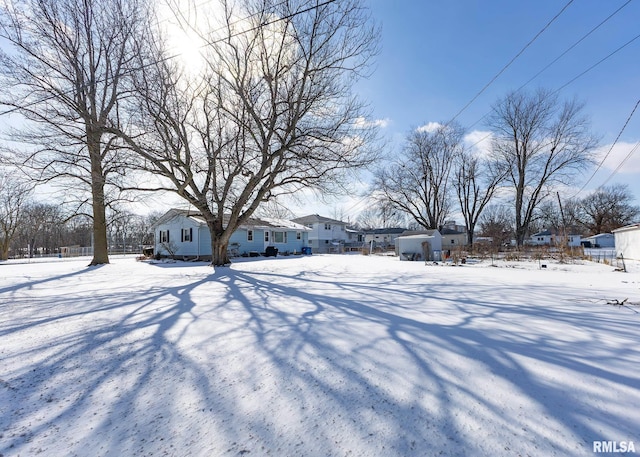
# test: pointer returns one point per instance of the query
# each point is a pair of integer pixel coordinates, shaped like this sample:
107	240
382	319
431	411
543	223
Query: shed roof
420	232
627	228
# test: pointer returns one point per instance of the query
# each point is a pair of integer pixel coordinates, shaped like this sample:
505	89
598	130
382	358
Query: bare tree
418	183
496	223
65	74
381	215
274	209
13	202
565	219
41	230
608	208
271	113
541	142
476	182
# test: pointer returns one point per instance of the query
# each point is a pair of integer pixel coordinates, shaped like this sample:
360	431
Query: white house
184	233
549	238
601	240
543	238
627	241
325	235
452	238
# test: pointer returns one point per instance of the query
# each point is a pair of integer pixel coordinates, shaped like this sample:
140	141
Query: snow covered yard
317	356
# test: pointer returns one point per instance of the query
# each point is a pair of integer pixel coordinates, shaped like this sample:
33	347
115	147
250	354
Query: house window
453	241
279	237
164	236
187	235
327	226
249	235
266	236
298	235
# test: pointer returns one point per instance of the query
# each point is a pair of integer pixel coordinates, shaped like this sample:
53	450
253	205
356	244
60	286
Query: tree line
538	143
32	228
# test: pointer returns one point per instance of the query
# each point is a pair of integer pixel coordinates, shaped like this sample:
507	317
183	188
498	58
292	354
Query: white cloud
479	141
616	156
429	127
381	123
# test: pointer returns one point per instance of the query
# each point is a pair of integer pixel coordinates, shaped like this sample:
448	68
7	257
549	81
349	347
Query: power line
566	51
585	36
598	63
635	148
511	61
611	149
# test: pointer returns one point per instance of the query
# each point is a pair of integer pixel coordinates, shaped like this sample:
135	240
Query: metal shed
419	247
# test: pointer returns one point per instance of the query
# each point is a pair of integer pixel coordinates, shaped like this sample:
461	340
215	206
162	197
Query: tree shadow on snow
241	362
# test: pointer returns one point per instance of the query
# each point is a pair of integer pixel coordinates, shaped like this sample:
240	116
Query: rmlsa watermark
613	446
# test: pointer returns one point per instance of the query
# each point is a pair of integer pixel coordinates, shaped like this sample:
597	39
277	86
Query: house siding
200	244
175	227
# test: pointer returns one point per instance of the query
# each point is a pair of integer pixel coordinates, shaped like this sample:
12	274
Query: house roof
554	233
449	231
599	235
385	231
252	222
315	218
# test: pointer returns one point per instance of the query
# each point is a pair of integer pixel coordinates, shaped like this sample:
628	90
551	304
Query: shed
419	247
627	241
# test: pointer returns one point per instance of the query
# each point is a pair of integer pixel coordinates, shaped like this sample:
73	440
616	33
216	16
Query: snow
317	356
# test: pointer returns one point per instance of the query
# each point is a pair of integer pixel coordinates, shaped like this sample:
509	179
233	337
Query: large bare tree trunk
220	255
100	245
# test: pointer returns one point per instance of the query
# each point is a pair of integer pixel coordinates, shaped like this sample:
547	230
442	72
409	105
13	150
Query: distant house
383	237
325	235
355	239
627	241
541	238
601	240
185	234
549	238
452	238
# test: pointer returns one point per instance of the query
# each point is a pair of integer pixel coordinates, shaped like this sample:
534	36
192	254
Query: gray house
326	235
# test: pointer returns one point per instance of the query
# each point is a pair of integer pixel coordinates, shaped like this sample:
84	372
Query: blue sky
438	55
